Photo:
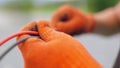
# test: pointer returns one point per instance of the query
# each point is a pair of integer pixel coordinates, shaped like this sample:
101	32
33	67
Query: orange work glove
54	50
72	21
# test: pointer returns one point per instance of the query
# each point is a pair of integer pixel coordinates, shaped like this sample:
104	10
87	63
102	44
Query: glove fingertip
43	23
29	26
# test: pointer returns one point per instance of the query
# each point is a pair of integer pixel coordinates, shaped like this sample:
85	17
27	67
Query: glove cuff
116	11
90	23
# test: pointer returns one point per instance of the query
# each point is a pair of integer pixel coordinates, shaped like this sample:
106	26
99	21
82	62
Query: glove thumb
46	32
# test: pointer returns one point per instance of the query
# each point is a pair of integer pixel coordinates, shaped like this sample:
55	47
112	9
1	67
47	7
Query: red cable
17	34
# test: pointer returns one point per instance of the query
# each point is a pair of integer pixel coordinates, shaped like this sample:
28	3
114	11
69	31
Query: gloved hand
72	21
54	49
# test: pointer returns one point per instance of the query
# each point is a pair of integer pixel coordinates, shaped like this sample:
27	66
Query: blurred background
16	13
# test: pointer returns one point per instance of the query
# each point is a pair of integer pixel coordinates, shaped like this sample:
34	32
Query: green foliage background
85	5
98	5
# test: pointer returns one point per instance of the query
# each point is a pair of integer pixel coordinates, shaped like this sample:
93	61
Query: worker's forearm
108	21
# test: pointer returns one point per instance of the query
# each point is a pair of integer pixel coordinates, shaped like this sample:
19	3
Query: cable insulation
12	46
17	34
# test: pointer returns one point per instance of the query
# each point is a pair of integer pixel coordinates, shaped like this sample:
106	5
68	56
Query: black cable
12	46
117	62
